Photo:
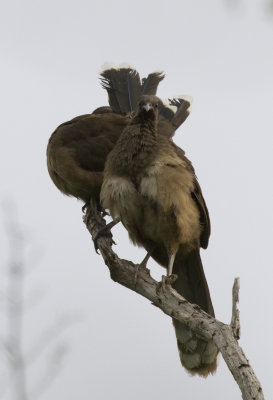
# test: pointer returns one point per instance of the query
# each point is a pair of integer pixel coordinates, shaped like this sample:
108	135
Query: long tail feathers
177	111
196	355
149	85
183	105
124	88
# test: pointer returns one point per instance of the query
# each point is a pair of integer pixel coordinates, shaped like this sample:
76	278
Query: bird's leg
143	263
170	278
170	264
146	258
106	230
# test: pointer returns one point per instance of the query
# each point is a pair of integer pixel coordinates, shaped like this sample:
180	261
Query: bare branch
171	303
235	319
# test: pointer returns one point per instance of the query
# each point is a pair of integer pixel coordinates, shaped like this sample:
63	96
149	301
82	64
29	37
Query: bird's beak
147	107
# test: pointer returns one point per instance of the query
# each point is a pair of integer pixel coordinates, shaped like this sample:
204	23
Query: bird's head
148	107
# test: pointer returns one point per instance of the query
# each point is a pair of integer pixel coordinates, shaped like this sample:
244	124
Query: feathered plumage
77	149
76	155
149	85
123	87
151	186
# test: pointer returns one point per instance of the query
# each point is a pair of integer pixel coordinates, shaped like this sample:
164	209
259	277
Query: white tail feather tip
111	65
184	97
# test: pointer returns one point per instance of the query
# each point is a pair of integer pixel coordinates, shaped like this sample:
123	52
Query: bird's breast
157	203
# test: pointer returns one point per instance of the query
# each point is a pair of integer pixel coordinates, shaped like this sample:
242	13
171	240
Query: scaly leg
143	263
170	264
146	258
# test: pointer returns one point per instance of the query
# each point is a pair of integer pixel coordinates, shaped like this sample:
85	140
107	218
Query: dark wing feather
204	214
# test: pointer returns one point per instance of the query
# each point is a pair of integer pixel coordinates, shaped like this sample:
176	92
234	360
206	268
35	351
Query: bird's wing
197	197
204	214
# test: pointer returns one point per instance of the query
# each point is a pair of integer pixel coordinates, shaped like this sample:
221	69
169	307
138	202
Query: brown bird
77	149
151	186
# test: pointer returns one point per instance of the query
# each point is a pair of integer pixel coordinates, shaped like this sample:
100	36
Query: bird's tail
124	87
183	109
196	355
149	85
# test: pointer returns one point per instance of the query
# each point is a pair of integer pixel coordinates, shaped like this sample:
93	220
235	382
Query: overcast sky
52	52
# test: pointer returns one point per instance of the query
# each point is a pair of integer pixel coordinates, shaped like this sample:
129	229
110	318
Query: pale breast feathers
175	179
118	195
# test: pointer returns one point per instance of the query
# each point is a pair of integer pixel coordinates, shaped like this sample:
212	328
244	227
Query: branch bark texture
162	295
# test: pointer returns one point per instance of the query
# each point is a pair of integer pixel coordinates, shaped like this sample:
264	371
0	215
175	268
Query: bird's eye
156	105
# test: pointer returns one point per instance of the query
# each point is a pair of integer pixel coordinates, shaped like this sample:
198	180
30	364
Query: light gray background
51	54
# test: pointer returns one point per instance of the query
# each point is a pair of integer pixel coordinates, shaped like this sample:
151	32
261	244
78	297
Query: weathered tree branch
235	319
162	295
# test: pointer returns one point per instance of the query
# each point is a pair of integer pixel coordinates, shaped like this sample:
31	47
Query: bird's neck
138	146
146	126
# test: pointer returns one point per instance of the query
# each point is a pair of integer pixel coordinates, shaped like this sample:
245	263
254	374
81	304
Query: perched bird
151	186
77	149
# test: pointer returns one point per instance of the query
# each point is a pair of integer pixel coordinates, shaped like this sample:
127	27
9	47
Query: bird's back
77	151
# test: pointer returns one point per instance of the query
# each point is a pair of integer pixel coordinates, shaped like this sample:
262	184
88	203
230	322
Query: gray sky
51	54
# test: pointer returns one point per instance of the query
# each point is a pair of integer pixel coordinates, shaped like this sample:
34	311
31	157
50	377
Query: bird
78	148
151	186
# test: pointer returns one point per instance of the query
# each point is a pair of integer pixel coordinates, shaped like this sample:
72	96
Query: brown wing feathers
89	138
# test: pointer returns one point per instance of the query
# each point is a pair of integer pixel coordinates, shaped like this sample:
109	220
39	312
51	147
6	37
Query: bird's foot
105	231
86	209
166	281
